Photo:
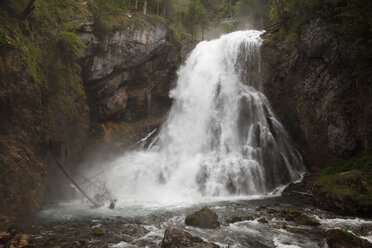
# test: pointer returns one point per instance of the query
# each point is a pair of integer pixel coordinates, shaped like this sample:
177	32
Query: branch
75	184
27	11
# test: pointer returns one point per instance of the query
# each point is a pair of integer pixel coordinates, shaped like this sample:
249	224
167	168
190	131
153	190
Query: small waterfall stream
221	138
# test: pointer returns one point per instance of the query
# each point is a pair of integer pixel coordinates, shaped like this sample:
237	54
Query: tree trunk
30	7
231	14
158	9
164	2
145	7
136	5
180	20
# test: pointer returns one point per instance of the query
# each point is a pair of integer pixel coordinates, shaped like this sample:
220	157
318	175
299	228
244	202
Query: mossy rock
238	218
263	220
204	218
298	217
337	238
96	231
260	208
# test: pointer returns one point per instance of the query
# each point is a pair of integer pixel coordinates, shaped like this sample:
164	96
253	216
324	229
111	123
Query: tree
196	17
145	7
181	8
30	7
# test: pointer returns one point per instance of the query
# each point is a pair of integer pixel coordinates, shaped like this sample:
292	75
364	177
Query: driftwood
76	185
302	193
30	7
87	180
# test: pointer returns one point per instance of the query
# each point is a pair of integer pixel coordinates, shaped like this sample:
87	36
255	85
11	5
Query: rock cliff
120	92
316	94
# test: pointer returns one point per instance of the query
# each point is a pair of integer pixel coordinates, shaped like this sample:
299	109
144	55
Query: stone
204	218
298	217
96	231
263	220
238	218
337	238
177	238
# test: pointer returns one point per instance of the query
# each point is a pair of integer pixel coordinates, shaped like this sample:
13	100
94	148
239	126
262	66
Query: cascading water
221	137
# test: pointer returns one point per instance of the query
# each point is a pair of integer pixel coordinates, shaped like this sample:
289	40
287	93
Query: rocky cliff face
128	76
311	86
34	124
125	76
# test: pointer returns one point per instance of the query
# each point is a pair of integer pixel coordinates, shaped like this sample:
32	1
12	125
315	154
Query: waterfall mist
221	138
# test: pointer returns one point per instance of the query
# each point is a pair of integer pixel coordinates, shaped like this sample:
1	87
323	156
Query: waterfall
221	138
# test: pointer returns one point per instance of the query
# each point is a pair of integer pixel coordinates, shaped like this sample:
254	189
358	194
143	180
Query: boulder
238	218
298	217
337	238
176	238
204	218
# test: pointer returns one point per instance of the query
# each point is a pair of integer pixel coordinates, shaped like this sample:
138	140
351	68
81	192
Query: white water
221	138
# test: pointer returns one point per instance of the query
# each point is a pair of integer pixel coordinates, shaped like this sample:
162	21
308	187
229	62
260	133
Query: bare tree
145	7
164	6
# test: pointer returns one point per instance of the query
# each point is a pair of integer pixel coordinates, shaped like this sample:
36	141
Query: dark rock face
337	238
124	69
32	128
176	238
22	124
204	218
314	94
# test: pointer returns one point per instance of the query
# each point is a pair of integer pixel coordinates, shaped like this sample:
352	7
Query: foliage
352	18
350	178
48	46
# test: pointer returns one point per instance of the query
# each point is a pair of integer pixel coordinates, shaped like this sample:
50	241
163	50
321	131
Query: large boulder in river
337	238
176	238
204	218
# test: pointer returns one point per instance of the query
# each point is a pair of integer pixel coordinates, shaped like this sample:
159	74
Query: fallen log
302	193
96	205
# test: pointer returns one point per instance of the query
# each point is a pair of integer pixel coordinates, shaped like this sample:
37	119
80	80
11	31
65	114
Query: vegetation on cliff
49	46
351	18
346	186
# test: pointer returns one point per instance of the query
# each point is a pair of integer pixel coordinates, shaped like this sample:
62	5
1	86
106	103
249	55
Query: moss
96	231
204	218
49	47
349	180
343	238
297	216
238	218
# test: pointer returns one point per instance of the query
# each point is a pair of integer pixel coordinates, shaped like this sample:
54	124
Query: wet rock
263	220
260	208
272	211
204	218
96	231
298	217
176	238
238	218
337	238
309	86
4	238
